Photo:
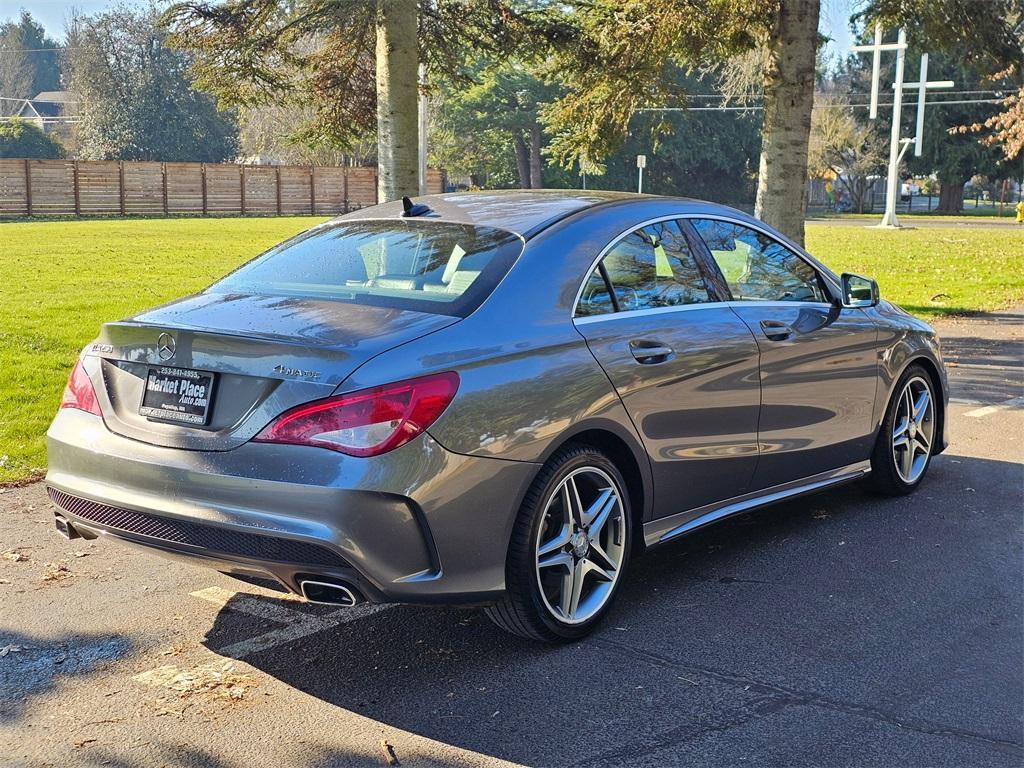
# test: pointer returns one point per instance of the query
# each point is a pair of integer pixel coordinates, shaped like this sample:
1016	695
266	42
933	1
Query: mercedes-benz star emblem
165	346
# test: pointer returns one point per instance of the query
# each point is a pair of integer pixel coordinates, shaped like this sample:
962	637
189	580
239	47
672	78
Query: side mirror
859	291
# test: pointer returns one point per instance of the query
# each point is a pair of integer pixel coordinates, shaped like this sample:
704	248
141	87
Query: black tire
885	477
523	611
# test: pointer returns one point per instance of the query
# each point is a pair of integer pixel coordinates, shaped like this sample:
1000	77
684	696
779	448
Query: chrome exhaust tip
329	594
65	528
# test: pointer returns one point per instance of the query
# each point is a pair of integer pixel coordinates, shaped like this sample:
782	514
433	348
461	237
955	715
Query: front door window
757	267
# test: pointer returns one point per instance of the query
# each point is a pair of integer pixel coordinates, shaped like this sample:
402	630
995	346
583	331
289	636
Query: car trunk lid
266	354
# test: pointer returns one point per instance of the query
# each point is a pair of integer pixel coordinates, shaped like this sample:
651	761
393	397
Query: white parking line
977	413
297	623
309	625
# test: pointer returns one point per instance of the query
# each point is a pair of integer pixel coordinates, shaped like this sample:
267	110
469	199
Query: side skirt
667	528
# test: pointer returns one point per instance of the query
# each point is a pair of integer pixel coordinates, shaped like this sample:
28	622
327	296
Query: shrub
22	139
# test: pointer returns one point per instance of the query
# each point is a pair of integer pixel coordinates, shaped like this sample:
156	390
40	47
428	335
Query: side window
756	267
595	299
651	267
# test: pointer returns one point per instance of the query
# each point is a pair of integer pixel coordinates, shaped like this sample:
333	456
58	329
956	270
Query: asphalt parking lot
837	630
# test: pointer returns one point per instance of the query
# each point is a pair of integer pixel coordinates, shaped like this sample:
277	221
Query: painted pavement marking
297	623
978	413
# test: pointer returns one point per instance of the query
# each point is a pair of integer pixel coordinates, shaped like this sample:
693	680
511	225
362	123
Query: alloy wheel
580	545
913	430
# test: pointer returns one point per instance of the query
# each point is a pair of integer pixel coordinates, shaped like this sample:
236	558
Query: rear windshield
427	266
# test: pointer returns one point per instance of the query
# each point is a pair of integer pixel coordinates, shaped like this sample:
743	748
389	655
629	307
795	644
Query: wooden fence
112	188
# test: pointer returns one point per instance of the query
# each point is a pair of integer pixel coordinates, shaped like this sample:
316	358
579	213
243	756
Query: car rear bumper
419	524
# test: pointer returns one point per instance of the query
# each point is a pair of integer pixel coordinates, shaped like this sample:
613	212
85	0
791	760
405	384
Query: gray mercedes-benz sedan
492	399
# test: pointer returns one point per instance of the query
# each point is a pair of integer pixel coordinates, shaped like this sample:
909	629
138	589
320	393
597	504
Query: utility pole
898	146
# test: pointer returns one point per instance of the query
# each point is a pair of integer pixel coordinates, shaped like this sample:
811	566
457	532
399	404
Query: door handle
647	353
776	330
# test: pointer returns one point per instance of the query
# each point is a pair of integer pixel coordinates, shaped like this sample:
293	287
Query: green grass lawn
929	272
62	280
59	281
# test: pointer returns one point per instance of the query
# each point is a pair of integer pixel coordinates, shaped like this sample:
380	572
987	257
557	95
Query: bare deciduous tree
850	149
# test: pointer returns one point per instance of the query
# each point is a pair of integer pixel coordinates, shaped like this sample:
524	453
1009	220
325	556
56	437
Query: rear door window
649	268
438	267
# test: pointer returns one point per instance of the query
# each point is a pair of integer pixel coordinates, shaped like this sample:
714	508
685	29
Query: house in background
54	112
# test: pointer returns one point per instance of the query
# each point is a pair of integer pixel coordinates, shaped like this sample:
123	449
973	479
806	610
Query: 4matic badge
298	373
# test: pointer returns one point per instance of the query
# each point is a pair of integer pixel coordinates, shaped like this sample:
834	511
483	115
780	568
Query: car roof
523	212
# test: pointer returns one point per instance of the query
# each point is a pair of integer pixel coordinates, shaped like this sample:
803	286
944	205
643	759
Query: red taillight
369	422
79	392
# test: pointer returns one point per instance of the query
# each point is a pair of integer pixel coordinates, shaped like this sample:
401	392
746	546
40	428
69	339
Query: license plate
178	394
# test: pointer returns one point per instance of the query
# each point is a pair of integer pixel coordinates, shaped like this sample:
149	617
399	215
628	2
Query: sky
53	13
835	22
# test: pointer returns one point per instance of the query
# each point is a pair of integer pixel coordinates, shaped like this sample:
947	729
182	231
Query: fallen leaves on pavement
56	571
213	680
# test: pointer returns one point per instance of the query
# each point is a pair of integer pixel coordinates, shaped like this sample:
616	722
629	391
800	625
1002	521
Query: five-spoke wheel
580	545
909	431
914	429
570	546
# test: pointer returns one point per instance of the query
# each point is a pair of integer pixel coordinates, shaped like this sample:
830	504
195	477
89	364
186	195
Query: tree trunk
858	188
788	99
536	177
522	159
397	100
951	195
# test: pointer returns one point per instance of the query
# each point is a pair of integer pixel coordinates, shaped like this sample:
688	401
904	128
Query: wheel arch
630	460
940	397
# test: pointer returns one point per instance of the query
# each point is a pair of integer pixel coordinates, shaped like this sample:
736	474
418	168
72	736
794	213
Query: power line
934	103
947	93
823	106
726	97
43	50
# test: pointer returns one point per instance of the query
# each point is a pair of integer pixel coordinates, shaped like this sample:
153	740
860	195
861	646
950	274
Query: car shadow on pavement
32	666
826	604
